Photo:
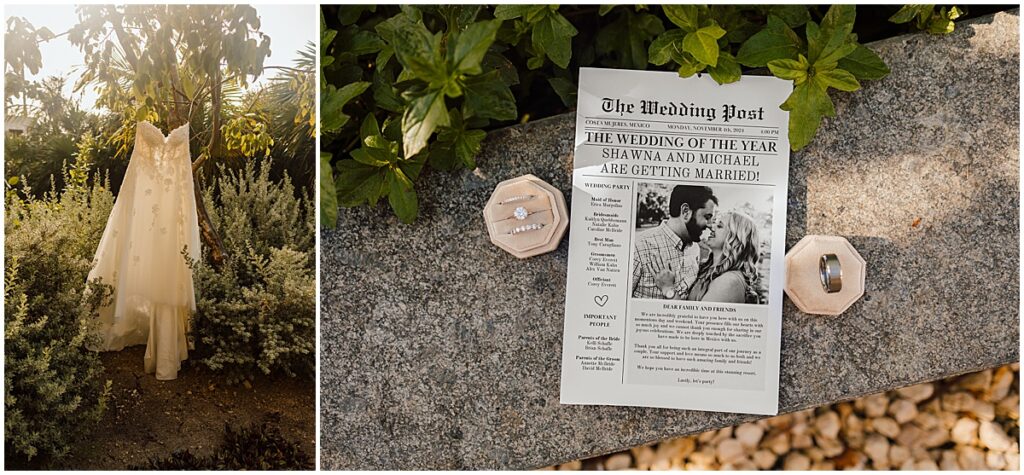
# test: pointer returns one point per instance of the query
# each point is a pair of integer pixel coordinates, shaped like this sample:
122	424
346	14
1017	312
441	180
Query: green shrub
258	313
931	18
256	447
53	386
405	87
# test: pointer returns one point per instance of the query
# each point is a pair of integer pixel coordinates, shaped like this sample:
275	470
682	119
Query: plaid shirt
684	260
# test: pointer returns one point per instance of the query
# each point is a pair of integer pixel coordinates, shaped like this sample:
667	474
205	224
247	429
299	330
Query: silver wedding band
525	228
831	273
517	199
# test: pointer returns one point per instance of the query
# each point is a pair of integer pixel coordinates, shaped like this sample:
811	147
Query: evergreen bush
54	390
258	314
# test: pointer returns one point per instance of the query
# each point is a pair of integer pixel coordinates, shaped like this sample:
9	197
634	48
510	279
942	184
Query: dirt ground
146	418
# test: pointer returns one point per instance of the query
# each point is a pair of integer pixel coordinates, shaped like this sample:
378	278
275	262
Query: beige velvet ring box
803	281
526	216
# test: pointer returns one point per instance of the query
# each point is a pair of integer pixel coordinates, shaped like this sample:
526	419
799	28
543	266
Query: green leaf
734	20
416	48
352	42
413	166
628	36
402	196
794	70
662	48
487	96
793	15
463	144
839	79
508	12
370	156
349	14
864	64
392	129
457	16
703	44
688	67
604	9
954	13
383	56
776	41
332	102
835	31
815	43
552	35
806	105
727	70
442	156
906	13
565	89
327	35
506	70
467	145
942	23
472	45
369	127
413	12
424	115
829	59
684	16
358	183
328	194
384	93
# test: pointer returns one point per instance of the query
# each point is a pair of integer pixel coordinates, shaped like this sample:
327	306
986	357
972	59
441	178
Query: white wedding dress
141	253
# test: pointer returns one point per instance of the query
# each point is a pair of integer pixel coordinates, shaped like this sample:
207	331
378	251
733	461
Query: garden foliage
156	63
54	389
931	18
257	315
413	86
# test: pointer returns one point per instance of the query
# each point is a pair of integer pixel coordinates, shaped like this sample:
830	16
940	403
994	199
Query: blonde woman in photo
731	274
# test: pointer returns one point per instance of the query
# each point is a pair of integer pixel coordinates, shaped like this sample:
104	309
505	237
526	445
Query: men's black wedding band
831	274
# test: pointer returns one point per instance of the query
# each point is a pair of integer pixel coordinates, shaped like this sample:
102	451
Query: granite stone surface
441	351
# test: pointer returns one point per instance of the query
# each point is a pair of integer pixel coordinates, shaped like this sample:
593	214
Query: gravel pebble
932	426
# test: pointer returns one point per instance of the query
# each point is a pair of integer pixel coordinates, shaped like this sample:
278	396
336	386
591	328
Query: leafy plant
832	58
404	88
21	53
257	314
53	386
447	82
550	33
934	20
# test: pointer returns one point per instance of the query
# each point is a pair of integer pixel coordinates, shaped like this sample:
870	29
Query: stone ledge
441	351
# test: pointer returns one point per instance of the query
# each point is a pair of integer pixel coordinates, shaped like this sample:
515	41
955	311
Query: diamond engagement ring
526	227
517	199
520	213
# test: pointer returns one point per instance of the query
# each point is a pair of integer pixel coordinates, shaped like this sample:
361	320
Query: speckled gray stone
441	351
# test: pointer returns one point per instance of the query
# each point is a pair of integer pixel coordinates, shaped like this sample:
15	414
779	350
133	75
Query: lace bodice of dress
165	153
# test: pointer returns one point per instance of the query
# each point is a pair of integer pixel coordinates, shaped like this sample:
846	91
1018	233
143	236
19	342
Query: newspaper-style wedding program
676	242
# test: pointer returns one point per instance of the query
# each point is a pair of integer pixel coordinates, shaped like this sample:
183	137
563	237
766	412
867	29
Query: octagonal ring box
546	207
803	282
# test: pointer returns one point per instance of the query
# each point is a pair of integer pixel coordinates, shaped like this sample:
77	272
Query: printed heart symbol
600	300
